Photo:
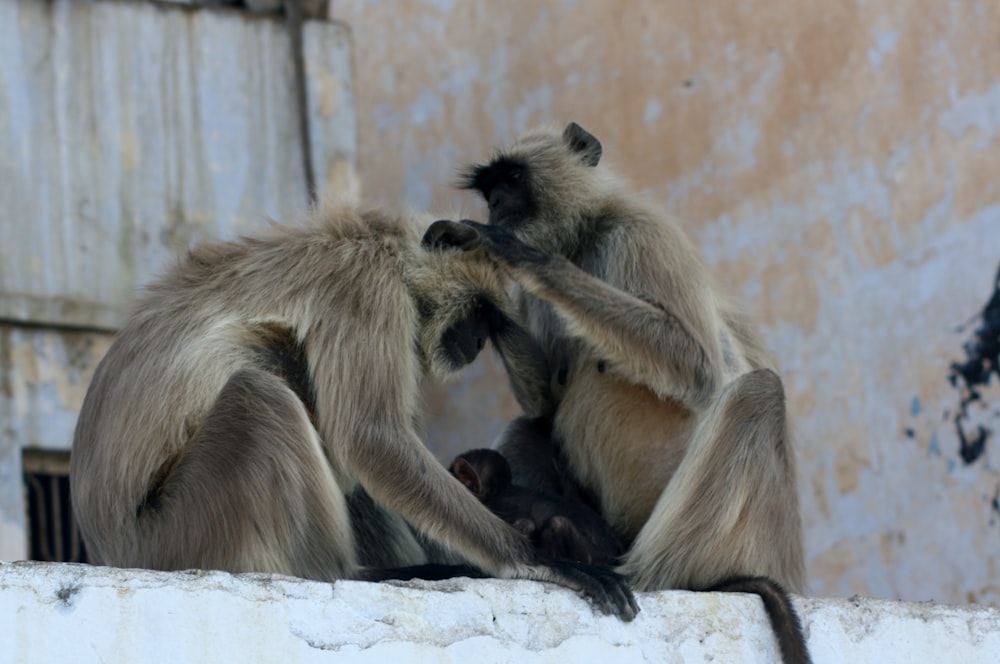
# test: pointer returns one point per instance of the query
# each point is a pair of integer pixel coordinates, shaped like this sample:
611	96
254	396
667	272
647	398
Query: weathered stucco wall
104	614
838	164
129	130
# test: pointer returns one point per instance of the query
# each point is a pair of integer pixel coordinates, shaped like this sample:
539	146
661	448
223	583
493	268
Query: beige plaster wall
838	164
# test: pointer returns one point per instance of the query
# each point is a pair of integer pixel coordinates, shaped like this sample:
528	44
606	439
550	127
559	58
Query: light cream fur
671	411
347	287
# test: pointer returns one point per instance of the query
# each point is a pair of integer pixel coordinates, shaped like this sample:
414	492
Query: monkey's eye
514	175
425	308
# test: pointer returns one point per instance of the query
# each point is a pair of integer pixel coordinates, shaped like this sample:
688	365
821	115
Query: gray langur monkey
557	525
257	412
636	369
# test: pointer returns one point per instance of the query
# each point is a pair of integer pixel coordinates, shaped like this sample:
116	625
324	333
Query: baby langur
630	360
558	526
566	528
257	412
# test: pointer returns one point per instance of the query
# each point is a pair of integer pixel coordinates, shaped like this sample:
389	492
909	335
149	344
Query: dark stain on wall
995	506
982	360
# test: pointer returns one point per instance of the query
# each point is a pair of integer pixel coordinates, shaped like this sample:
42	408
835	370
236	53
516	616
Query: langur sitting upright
653	385
257	411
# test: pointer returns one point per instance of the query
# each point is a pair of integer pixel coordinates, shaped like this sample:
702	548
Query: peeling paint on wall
982	361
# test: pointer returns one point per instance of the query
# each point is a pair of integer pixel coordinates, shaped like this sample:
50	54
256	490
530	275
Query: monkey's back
224	307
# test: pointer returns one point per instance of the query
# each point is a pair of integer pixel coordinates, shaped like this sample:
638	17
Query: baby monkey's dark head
543	187
484	471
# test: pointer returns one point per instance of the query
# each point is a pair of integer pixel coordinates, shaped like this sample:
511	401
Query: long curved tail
784	620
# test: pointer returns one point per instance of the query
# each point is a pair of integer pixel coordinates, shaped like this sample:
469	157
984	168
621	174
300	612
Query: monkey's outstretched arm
370	435
403	475
645	342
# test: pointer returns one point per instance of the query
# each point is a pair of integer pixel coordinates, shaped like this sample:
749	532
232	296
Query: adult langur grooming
257	412
636	372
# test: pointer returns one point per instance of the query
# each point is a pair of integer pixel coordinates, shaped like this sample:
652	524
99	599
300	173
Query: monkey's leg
732	507
252	493
382	538
388	549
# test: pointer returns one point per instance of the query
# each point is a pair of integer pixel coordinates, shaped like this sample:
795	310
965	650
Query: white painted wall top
130	130
78	613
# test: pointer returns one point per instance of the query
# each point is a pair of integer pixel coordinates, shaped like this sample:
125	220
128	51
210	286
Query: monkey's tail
784	621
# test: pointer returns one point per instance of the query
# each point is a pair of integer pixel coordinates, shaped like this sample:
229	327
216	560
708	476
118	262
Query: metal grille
52	530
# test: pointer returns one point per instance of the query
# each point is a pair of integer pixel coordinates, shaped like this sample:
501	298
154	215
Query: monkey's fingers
503	244
619	590
606	589
447	234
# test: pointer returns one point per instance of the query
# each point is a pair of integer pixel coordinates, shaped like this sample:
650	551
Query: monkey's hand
602	586
504	246
447	234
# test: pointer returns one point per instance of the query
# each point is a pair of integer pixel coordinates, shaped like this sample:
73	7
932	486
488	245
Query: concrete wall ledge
79	613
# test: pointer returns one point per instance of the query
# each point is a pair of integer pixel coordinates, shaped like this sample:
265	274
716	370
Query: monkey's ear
467	475
583	142
447	234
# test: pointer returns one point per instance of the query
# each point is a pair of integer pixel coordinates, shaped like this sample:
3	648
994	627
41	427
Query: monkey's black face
505	185
462	341
512	187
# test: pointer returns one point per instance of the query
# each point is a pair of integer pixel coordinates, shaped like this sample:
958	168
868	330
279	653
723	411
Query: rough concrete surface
60	612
